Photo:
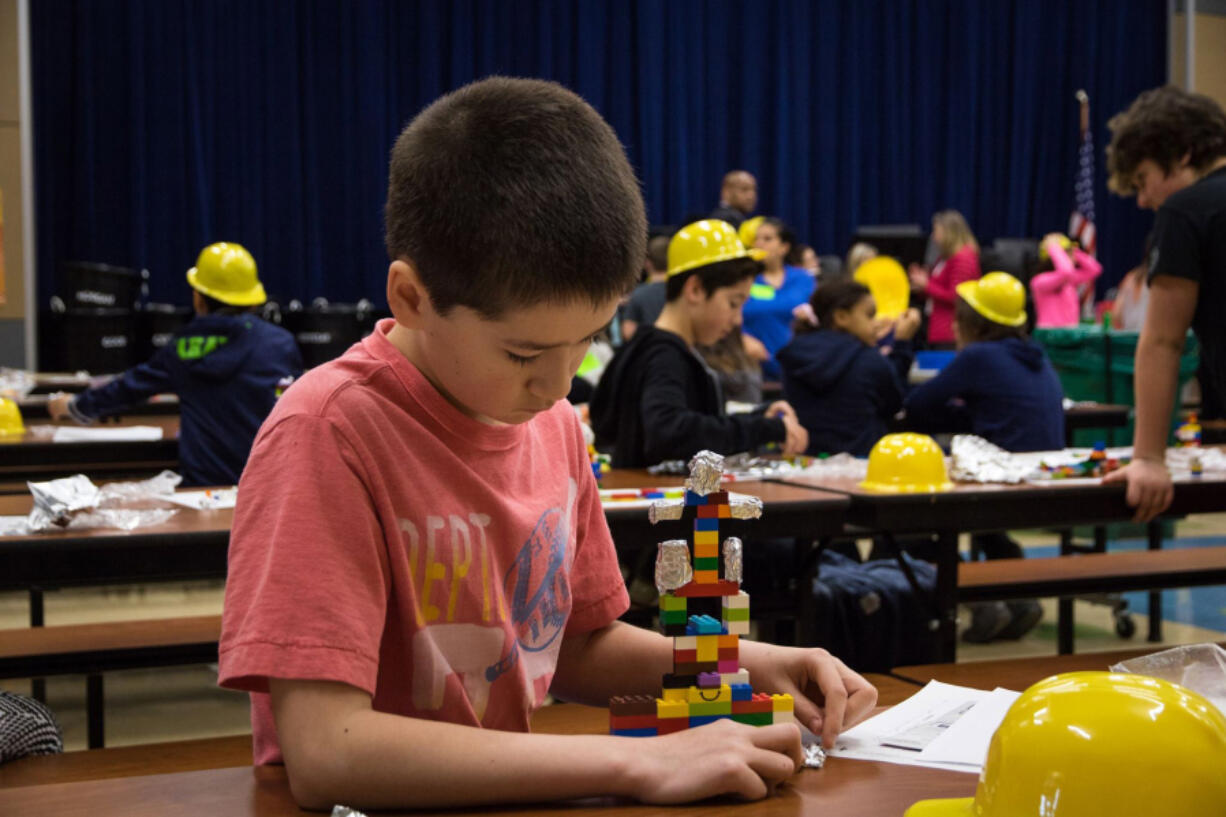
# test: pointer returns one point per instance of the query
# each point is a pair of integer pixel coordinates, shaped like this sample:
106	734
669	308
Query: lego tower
704	609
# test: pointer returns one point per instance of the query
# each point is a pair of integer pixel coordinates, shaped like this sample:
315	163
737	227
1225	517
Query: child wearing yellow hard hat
227	365
658	400
1001	387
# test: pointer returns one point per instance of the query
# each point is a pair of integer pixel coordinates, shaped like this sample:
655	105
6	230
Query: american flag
1081	223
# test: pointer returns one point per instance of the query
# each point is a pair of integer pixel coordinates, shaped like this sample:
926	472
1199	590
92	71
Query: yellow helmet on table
1085	744
10	418
997	296
906	463
705	242
226	272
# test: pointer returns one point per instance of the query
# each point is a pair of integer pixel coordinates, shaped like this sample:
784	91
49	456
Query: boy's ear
407	297
692	290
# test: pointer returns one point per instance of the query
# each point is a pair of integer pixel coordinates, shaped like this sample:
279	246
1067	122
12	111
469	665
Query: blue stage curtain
163	125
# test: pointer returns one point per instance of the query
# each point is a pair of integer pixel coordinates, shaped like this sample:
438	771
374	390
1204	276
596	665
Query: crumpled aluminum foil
16	384
734	560
1211	459
345	811
75	502
815	756
974	459
673	566
745	507
663	509
706	473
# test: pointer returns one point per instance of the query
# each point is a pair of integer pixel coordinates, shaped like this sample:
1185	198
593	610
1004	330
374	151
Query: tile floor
178	704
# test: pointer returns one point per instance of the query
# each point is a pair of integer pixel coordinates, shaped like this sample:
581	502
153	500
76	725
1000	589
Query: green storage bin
1080	356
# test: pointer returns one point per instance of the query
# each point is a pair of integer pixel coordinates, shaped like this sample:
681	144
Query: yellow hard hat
887	280
1100	743
10	418
748	231
226	271
906	463
1065	242
706	242
997	296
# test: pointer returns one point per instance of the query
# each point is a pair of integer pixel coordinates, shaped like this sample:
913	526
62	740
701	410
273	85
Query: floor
178	704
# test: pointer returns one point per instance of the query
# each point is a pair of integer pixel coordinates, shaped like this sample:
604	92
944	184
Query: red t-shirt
385	540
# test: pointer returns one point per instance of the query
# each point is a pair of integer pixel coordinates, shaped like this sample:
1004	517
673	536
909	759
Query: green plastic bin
1080	356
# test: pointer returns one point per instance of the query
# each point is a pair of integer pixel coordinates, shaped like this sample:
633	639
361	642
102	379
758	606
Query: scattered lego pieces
1188	434
1098	464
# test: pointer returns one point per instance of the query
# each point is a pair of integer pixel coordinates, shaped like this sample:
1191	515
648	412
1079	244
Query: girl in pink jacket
1056	296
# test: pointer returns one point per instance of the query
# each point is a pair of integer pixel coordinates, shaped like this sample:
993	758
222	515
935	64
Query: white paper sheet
919	722
72	434
207	500
13	526
967	740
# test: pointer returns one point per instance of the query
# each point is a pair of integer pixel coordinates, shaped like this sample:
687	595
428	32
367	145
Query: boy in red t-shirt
419	547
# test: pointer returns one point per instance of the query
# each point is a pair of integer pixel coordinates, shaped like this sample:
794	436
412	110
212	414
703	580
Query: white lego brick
741	676
738	628
739	601
685	642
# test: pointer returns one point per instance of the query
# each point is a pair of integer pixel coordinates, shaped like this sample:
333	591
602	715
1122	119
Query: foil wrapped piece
974	459
673	566
706	473
815	756
59	499
734	561
745	507
665	509
345	811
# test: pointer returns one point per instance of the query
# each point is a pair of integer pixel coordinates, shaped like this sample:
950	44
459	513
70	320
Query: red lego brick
708	512
719	588
728	653
717	498
666	726
685	656
629	705
633	721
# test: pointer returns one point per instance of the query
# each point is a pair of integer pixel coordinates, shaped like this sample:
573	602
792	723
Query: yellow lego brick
726	641
673	708
706	550
708	648
725	511
706	576
706	537
701	696
782	703
676	694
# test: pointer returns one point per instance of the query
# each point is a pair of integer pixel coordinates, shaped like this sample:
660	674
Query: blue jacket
768	313
228	371
844	393
1007	393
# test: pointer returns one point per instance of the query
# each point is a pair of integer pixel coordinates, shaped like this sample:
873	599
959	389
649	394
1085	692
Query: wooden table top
169	423
34	408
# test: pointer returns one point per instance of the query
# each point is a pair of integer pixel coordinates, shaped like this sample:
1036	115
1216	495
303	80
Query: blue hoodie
1008	394
845	393
228	371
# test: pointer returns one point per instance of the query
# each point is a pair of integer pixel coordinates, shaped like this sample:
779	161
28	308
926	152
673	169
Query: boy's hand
754	348
1150	490
830	697
797	440
720	758
907	325
57	406
781	409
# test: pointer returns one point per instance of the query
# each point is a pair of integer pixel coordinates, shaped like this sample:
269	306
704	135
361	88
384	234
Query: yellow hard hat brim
753	254
947	807
910	488
969	292
251	297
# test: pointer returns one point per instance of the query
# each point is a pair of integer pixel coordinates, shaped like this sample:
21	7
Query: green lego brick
713	708
755	718
706	563
673	617
670	602
736	614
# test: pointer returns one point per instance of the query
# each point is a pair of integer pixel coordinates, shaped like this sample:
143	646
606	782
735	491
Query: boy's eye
520	359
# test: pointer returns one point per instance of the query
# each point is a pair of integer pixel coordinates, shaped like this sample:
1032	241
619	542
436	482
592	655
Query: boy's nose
553	385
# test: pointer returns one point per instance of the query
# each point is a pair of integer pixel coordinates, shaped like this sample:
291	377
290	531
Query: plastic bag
76	503
1199	667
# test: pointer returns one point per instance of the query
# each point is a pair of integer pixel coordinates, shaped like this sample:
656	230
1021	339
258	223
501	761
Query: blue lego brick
706	524
701	720
705	625
653	495
741	692
692	498
636	733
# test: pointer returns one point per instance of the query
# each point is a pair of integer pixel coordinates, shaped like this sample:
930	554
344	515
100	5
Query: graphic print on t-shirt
520	622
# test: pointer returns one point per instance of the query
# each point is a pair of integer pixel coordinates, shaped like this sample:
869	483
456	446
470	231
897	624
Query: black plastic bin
90	285
99	341
324	331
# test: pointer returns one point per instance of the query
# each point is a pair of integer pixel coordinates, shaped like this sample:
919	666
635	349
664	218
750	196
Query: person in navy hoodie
228	366
844	389
1001	387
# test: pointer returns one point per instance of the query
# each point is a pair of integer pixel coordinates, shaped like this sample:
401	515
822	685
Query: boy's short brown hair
974	328
1164	125
513	192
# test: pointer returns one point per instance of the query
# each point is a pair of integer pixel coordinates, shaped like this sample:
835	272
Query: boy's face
1154	184
720	313
860	321
502	371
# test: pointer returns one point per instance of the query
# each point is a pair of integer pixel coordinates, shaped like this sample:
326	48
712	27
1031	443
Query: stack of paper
72	434
941	726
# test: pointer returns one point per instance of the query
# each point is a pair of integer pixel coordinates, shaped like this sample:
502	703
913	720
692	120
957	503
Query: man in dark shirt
738	196
1169	149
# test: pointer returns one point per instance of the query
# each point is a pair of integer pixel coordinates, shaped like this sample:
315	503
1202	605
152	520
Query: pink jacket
942	283
1055	293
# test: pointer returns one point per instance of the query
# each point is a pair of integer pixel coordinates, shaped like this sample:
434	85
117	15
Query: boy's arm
132	387
623	660
339	750
928	403
1172	302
